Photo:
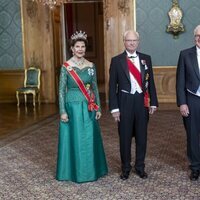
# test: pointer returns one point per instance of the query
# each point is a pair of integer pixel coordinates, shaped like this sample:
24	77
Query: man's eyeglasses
197	36
131	40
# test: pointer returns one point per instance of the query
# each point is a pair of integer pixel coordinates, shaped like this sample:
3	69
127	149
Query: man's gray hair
128	31
196	29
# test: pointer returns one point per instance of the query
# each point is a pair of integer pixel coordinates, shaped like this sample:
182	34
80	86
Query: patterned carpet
27	165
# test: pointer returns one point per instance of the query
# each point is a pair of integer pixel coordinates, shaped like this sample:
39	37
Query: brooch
145	64
147	76
146	85
91	72
87	86
69	68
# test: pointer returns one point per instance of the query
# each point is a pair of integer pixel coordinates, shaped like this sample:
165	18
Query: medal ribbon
91	104
137	75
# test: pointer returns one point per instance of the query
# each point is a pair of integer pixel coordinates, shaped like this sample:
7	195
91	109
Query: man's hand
116	116
184	110
152	109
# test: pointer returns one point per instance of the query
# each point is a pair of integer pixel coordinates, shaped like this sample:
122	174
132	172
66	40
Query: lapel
193	57
124	64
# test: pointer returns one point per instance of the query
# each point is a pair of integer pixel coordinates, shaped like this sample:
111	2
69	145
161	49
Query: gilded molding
124	7
31	8
23	35
134	14
107	15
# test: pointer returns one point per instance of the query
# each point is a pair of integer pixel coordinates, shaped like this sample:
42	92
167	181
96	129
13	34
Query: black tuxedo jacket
120	78
187	75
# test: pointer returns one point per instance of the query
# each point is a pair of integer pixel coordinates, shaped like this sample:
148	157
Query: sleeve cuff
115	110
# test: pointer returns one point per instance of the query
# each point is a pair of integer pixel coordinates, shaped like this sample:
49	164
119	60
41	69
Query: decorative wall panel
151	22
11	56
165	81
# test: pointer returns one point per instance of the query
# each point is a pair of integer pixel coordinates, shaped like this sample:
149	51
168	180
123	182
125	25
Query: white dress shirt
135	87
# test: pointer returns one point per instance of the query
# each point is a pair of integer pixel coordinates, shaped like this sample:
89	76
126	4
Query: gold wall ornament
53	3
175	14
107	14
31	9
123	6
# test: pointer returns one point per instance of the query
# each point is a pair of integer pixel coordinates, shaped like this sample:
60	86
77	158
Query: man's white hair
129	31
196	29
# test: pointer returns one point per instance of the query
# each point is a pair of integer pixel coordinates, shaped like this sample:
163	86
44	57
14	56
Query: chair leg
25	98
17	96
34	99
39	98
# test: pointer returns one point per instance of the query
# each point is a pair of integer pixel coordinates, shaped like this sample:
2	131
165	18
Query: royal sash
137	75
91	99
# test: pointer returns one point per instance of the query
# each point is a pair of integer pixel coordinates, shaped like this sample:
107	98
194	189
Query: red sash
91	104
137	75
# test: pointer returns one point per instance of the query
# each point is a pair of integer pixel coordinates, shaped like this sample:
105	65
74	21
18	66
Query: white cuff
115	110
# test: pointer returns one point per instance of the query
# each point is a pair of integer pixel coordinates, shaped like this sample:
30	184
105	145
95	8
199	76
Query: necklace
78	62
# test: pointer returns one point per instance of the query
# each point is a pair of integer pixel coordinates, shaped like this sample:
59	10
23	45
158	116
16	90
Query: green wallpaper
11	55
151	22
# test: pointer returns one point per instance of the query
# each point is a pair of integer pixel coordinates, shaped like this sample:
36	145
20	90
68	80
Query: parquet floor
13	118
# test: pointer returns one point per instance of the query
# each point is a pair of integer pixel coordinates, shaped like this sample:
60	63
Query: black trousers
192	126
133	121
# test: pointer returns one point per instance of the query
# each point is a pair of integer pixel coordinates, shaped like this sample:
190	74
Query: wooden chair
31	85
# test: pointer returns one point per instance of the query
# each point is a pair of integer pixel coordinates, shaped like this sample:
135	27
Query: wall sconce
175	14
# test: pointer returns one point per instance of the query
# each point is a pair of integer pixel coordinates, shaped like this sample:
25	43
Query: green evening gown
81	156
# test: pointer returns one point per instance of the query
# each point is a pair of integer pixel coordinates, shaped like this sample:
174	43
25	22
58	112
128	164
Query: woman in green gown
81	156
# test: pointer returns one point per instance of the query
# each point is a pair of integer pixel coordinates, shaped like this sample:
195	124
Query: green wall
11	55
151	22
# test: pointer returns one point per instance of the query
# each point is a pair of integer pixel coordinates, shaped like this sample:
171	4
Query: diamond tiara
77	35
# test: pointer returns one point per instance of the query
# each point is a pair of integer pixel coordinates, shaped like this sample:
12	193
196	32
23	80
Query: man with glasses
188	99
131	86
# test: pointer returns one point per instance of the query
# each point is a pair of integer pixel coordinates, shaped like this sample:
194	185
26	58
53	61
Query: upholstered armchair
31	85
